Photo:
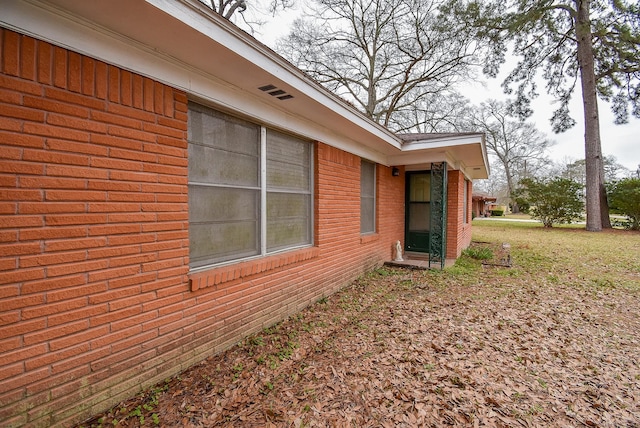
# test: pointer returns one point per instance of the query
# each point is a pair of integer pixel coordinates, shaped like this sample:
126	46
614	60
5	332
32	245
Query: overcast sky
621	141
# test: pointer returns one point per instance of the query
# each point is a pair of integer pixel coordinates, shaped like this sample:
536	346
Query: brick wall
96	301
391	209
93	171
458	232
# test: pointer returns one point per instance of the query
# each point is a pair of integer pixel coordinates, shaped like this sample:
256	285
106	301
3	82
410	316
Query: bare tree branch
384	56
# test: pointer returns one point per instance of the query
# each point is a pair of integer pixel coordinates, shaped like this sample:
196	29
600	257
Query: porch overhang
466	152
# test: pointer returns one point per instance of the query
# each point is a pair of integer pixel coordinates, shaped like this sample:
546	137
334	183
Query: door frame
436	240
408	238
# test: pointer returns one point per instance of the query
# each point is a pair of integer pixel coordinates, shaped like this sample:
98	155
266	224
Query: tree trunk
593	151
510	187
604	202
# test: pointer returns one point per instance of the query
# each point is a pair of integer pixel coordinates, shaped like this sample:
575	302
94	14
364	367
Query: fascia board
417	152
437	143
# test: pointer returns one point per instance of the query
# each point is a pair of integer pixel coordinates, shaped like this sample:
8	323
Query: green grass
569	254
484	253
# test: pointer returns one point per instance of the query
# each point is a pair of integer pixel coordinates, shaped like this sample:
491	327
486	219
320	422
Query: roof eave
466	152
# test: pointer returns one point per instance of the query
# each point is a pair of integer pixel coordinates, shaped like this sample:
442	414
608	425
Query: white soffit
466	152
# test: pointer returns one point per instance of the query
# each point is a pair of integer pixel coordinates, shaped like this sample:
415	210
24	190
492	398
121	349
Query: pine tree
590	44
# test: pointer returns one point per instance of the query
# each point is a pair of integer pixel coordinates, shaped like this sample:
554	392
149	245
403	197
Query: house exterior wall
96	298
458	232
478	207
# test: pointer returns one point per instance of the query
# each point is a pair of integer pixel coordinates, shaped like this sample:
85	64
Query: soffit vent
275	92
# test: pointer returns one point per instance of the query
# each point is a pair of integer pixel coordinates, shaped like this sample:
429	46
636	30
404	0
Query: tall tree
593	44
518	146
443	112
388	57
226	8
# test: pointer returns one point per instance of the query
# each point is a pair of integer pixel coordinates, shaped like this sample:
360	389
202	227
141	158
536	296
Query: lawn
550	342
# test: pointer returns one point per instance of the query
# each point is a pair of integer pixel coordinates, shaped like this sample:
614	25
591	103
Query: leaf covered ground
552	341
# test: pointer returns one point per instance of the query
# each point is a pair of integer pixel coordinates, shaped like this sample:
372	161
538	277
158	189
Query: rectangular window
249	189
288	191
367	197
465	202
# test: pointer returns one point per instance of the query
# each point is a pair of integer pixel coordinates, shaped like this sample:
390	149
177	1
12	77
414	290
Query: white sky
621	141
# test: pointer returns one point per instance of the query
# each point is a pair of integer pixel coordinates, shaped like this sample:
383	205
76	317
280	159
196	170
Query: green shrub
497	213
553	201
478	253
624	197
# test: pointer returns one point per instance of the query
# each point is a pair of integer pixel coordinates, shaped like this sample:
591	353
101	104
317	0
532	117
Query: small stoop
418	261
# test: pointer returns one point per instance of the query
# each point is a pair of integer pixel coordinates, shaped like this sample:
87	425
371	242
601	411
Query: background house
483	204
169	185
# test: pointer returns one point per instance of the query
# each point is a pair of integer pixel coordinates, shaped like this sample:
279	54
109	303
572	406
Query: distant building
482	205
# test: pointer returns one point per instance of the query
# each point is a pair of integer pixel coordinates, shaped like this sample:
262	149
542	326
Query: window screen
288	191
367	197
224	187
227	157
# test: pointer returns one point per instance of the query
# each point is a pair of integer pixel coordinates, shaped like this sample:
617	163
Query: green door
426	215
418	211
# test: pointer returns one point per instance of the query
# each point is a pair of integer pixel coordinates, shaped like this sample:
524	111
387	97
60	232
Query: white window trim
263	190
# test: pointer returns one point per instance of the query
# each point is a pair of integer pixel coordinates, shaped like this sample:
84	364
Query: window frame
264	189
465	202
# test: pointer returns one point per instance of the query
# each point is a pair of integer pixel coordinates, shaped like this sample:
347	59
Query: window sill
369	238
237	271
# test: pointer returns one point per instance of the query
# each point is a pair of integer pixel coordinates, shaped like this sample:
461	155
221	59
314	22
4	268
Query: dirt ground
474	346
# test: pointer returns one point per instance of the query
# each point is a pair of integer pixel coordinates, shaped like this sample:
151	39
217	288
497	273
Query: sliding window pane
367	197
224	187
288	162
288	220
223	224
289	215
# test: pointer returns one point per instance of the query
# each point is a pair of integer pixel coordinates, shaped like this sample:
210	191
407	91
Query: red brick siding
93	222
96	301
458	233
391	209
339	255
